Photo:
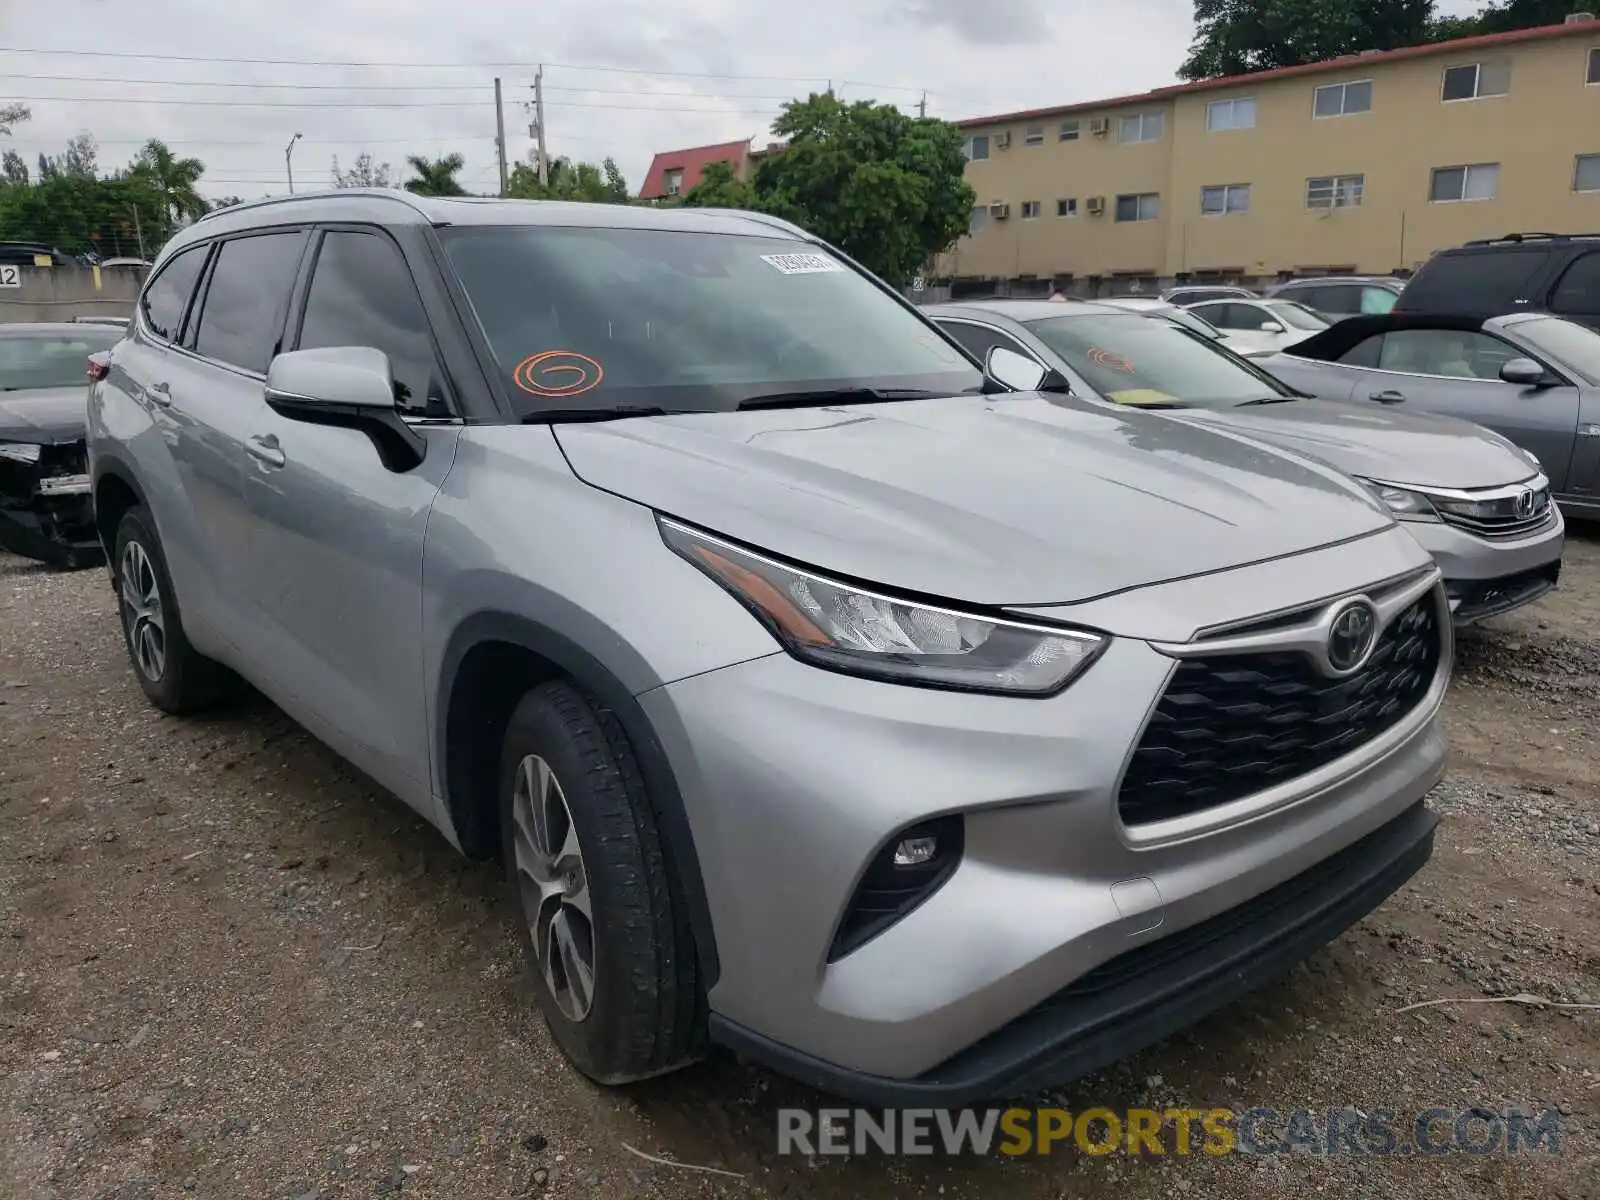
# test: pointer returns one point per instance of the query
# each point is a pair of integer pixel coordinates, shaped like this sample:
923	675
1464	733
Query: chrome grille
1498	515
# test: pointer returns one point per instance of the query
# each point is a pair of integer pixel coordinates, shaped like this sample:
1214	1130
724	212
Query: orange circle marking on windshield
558	373
1111	361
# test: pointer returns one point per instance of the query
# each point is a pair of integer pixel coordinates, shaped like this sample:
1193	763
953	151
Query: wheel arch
116	490
489	663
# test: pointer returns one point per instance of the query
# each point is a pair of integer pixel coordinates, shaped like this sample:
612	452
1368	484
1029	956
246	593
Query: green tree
886	188
720	188
1507	15
12	115
601	184
81	157
171	182
13	171
435	176
226	202
76	214
1233	37
362	173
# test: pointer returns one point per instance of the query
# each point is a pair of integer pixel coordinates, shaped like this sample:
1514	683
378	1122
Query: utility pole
500	135
288	160
538	120
138	229
922	105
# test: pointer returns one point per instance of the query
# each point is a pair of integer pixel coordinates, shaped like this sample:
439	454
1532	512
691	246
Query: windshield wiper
552	416
1267	400
843	395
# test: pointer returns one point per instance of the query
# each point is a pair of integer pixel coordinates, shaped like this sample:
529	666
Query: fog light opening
911	866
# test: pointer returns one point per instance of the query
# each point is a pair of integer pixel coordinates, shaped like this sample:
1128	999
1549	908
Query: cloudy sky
231	84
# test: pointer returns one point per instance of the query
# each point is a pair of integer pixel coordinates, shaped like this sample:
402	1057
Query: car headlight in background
1403	503
843	628
24	452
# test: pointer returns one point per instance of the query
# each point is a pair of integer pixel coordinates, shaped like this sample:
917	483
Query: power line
370	87
127	100
308	62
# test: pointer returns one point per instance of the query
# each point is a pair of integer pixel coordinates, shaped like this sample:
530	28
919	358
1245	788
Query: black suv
1521	272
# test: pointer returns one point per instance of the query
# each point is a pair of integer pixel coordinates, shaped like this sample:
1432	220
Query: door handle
159	393
1389	397
263	447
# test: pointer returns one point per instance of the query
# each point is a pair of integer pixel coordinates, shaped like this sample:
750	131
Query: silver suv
825	701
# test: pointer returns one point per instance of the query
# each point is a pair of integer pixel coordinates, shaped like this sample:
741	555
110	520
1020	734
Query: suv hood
1418	449
44	416
991	500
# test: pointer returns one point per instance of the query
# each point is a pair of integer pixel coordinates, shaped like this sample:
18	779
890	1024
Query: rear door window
241	317
1487	282
1377	300
167	295
978	340
1335	298
1578	289
1453	353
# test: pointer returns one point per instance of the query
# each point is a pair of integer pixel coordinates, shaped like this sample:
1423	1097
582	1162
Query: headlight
1405	504
19	451
843	628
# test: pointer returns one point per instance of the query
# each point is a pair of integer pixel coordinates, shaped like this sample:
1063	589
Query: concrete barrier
63	292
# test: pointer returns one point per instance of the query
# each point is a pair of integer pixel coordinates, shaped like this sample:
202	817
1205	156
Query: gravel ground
229	969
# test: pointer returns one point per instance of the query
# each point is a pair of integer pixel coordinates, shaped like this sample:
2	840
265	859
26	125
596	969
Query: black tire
645	1016
186	681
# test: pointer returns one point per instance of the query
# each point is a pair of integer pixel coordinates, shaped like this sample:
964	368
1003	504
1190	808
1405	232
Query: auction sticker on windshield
801	264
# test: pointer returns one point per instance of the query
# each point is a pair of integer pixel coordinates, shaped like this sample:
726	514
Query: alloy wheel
142	614
555	886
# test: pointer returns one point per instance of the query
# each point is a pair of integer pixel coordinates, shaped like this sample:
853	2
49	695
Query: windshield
50	360
1193	322
1572	346
1134	360
1296	316
597	320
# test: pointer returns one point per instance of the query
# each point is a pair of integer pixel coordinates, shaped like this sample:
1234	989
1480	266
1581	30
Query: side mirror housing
1016	371
1523	372
1271	327
351	387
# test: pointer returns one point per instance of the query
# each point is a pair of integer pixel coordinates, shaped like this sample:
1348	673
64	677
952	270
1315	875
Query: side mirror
1523	372
1271	327
351	387
1016	371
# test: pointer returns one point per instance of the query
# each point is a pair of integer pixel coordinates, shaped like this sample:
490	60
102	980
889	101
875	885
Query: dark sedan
46	512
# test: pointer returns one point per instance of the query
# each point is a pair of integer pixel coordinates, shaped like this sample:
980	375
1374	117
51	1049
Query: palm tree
435	177
173	179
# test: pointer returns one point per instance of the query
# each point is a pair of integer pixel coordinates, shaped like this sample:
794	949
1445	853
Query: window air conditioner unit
1095	205
999	210
1003	140
1100	126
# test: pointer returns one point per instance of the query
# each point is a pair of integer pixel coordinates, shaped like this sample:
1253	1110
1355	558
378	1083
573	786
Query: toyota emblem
1351	636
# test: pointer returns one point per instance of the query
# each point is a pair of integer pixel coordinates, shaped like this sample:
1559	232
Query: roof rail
321	194
1530	237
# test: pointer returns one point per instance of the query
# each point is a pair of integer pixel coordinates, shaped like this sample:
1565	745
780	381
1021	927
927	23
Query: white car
1251	345
1256	327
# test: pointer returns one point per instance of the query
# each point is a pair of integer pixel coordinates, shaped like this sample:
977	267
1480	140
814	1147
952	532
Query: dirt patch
229	969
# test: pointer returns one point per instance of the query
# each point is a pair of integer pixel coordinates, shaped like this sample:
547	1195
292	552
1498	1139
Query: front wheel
611	962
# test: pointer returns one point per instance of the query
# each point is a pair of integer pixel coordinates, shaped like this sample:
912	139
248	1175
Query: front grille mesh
1233	725
1498	518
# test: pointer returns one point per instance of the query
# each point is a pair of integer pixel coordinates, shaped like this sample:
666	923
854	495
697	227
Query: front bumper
795	777
47	509
1144	995
1486	577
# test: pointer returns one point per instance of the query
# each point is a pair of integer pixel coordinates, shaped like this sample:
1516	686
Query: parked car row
771	631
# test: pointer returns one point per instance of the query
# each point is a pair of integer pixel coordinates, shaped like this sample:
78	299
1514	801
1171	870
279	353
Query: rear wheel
175	676
611	962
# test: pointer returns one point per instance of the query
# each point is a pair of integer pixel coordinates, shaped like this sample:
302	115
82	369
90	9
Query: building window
1231	114
674	181
978	147
1593	75
1030	209
1069	131
1475	182
1587	176
1069	208
1476	80
1033	135
1344	99
1141	127
1146	206
1335	191
1225	200
980	218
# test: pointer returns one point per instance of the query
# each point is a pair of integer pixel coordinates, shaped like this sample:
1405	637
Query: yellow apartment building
1365	164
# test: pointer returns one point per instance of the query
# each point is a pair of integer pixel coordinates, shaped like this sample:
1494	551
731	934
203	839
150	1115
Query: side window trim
190	335
295	317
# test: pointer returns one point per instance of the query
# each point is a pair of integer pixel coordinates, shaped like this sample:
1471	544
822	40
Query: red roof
1348	62
692	162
